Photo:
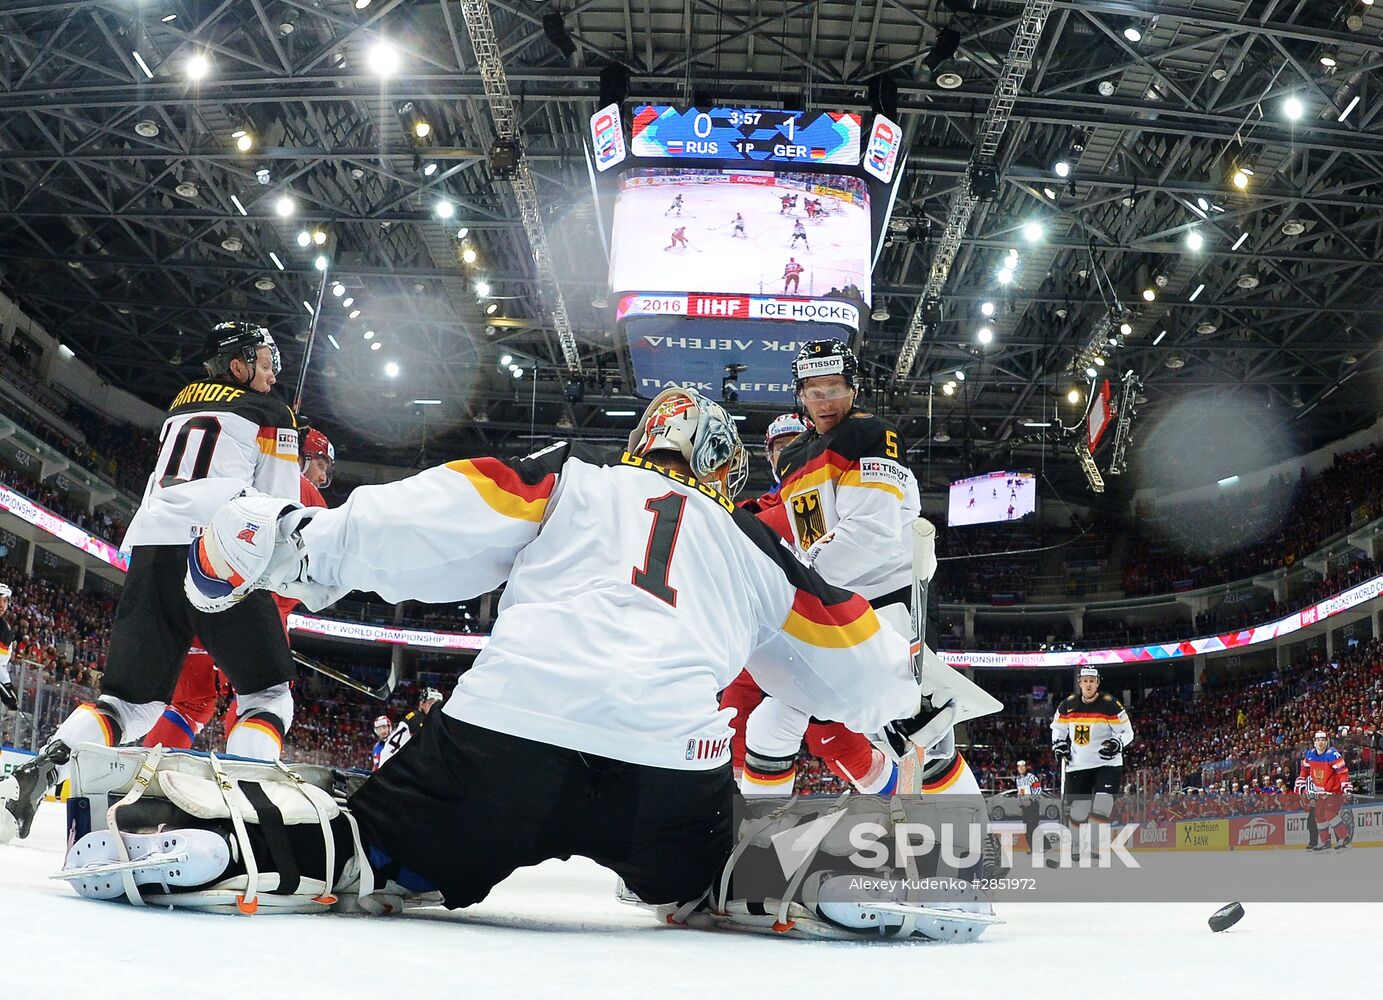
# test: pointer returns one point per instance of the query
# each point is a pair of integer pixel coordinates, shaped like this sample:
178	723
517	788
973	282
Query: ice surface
557	931
718	261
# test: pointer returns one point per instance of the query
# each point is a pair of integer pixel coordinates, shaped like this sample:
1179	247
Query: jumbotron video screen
746	232
994	497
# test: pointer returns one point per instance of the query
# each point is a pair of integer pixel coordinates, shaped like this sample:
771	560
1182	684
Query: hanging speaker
556	31
883	95
614	85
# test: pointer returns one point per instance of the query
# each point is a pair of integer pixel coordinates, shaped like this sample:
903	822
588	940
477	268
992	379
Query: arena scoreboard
751	134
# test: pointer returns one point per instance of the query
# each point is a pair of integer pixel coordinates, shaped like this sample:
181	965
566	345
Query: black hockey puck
1226	917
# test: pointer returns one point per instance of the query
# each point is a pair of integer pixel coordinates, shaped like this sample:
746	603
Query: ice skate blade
180	858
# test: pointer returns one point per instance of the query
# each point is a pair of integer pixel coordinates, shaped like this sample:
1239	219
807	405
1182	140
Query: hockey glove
1061	749
1110	749
252	543
901	733
1300	785
8	696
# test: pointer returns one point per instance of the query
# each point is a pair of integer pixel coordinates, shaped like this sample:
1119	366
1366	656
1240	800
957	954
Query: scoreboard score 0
752	134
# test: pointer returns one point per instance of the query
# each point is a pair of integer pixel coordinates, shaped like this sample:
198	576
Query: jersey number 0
662	539
201	463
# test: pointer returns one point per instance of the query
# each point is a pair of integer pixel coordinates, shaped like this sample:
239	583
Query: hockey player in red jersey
201	684
679	239
1324	780
792	276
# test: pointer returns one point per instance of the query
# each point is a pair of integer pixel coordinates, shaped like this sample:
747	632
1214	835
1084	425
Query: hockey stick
380	693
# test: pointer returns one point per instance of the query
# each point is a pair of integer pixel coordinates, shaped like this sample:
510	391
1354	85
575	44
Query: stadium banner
885	139
607	137
1132	655
1247	832
1294	829
383	634
786	308
10	758
41	517
1153	836
761	354
1202	835
1368	823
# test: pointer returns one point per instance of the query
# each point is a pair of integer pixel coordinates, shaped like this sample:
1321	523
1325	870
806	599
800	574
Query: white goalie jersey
633	596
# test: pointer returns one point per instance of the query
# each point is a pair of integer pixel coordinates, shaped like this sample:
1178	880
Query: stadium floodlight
422	129
462	233
1062	168
391	368
354	314
444	209
348	302
1194	241
244	142
1033	231
1240	178
383	58
1073	397
321	262
319	237
468	255
986	309
338	289
197	66
304	238
984	335
482	288
1293	108
429	169
506	360
376	346
285	206
1005	275
949	388
369	335
1133	33
1126	328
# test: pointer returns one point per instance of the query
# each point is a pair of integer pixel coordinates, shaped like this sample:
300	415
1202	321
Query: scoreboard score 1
753	134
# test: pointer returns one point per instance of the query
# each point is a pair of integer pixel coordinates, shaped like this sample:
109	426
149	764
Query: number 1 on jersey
662	539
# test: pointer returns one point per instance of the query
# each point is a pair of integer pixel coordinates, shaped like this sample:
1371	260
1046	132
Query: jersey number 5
891	444
201	464
667	522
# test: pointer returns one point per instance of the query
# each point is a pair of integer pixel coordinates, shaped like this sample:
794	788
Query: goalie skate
171	858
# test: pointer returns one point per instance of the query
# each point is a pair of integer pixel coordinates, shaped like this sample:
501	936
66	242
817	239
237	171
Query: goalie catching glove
252	543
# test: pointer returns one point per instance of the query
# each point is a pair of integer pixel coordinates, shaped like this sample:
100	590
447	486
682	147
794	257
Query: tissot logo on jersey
881	470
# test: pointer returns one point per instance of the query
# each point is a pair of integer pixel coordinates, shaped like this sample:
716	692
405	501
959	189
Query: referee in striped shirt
1029	788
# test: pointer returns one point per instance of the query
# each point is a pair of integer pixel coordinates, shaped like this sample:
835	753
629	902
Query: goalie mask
684	421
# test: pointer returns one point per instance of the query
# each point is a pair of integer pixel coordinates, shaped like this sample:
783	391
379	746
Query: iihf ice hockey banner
662	357
41	517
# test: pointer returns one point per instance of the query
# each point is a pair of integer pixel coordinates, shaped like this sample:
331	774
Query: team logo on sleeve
247	533
810	521
1082	735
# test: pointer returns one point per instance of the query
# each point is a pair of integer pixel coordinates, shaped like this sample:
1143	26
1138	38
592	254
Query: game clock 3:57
752	134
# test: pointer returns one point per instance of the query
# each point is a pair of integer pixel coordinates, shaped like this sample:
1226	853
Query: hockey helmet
383	721
236	339
684	421
316	445
784	425
431	694
825	357
5	591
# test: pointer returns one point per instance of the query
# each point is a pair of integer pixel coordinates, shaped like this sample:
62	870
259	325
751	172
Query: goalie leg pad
290	842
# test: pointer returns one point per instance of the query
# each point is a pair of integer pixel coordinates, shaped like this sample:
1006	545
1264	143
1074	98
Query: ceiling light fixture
238	207
1062	168
1133	34
142	64
986	309
383	58
1197	293
984	335
1243	237
1194	240
1349	108
1293	108
445	209
285	207
196	67
277	263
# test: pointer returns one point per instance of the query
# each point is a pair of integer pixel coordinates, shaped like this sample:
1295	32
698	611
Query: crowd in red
61	630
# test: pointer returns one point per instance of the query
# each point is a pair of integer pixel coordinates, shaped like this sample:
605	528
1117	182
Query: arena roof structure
1194	189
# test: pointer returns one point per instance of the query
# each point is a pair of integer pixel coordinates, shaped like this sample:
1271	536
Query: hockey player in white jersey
588	725
222	434
848	503
1090	732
